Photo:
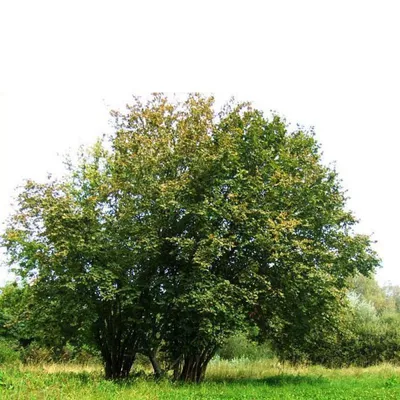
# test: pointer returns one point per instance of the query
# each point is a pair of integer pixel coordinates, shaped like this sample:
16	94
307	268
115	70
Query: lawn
225	380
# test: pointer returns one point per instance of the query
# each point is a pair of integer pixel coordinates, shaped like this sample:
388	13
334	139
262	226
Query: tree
368	289
186	226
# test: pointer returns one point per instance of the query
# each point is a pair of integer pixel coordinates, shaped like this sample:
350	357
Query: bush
80	354
369	338
36	354
9	352
239	346
86	355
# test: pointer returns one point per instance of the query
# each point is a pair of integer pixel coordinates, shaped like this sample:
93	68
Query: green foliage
367	288
14	312
240	346
375	330
9	353
183	229
370	331
365	313
393	293
37	353
374	324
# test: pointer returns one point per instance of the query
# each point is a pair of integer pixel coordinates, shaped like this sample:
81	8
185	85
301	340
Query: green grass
225	380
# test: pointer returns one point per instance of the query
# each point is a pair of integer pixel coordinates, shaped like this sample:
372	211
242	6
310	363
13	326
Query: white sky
331	64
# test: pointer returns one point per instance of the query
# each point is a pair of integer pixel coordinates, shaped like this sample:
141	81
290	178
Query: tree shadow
276	380
273	381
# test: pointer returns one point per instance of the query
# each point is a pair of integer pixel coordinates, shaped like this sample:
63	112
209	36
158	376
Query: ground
225	380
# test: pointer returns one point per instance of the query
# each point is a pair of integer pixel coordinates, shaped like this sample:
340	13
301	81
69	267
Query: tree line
185	226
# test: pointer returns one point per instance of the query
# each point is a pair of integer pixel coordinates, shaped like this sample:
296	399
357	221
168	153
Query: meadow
237	379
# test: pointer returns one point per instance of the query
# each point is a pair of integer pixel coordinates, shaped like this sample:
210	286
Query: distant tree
393	293
367	331
368	289
186	226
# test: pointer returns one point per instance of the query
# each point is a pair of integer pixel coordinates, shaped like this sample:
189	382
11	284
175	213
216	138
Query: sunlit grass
237	379
67	367
246	369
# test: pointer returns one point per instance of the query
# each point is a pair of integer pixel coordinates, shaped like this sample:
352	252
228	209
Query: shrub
239	346
9	353
36	354
370	338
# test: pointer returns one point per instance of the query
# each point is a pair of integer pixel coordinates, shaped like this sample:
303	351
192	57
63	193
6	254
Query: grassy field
225	380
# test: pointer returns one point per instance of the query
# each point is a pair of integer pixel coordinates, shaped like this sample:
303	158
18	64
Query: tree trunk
118	347
195	365
158	372
118	366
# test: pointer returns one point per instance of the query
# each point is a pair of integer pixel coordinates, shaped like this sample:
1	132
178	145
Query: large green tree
186	225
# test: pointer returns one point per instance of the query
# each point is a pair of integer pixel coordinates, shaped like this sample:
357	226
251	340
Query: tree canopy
183	227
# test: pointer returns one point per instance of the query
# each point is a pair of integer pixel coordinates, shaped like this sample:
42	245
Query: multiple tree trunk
117	342
193	367
118	366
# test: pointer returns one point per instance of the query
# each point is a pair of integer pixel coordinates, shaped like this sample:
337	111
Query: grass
238	379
